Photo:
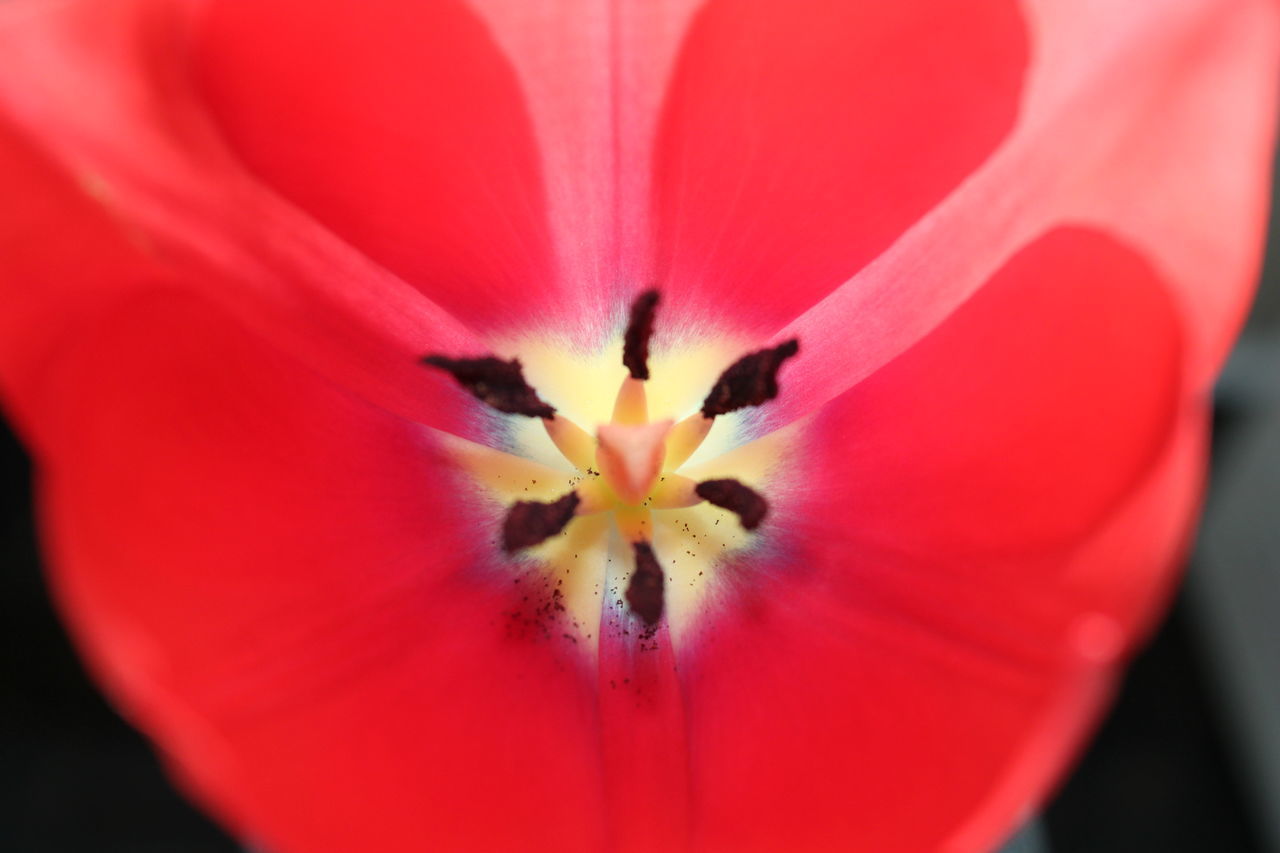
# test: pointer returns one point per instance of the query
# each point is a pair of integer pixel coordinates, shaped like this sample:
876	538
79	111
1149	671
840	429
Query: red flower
1012	239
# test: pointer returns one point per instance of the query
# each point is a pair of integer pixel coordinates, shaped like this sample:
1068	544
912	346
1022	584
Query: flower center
632	468
630	457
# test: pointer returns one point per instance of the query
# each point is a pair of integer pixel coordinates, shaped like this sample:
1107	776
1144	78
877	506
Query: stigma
630	465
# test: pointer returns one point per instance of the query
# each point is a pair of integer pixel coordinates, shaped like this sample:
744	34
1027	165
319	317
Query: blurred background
1187	760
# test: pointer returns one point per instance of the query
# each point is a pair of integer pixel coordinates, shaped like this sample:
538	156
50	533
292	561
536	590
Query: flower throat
630	466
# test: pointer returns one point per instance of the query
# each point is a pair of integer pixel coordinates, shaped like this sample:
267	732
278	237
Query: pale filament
628	467
665	489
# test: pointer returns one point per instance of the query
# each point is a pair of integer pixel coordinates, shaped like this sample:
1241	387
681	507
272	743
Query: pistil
630	457
629	466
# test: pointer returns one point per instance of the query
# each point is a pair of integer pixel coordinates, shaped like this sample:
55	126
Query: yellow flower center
629	496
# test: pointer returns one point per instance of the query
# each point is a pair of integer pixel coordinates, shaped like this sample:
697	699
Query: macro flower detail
940	292
637	459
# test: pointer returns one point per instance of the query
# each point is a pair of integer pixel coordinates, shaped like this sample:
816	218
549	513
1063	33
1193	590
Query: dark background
1188	760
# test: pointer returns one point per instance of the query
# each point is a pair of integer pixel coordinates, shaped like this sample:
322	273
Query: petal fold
798	141
1152	121
975	541
593	76
295	594
104	89
398	125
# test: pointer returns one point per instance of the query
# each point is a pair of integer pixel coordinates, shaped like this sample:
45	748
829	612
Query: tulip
676	425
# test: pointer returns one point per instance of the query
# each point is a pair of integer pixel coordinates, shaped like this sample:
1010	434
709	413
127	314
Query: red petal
798	140
937	628
1186	159
103	88
398	125
288	589
793	704
1019	421
645	747
1152	120
61	264
593	76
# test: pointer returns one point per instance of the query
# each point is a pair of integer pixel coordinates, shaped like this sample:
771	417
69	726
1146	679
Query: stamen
575	443
635	343
749	381
593	497
632	403
531	522
627	469
634	523
674	491
685	438
644	591
498	383
750	506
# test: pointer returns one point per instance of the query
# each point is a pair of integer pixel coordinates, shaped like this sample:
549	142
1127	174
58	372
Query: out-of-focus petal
1151	120
799	140
400	126
288	588
278	573
789	706
1019	421
1120	578
594	76
103	87
1189	183
930	578
62	263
